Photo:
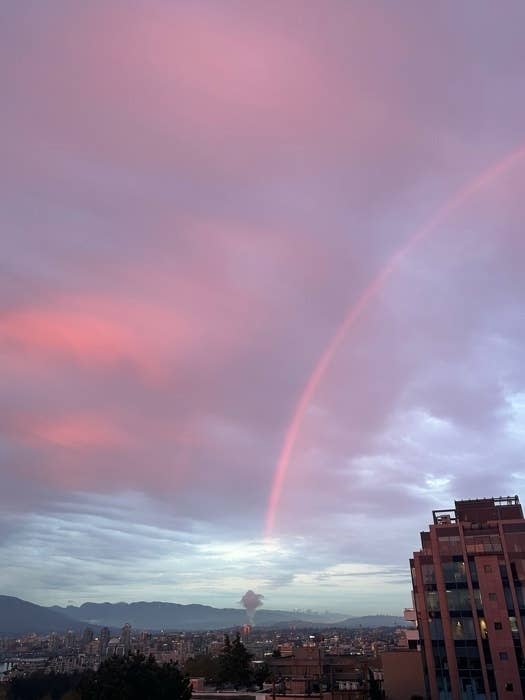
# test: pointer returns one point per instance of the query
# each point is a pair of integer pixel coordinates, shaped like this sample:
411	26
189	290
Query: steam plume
251	601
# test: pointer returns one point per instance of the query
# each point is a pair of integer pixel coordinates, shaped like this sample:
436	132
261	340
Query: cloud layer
193	197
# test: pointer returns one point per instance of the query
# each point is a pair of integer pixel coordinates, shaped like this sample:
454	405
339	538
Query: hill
19	617
174	616
169	616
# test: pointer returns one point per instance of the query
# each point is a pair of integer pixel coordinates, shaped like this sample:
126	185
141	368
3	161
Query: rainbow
468	190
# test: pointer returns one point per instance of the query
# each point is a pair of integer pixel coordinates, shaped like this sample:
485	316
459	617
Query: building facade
403	674
310	673
469	582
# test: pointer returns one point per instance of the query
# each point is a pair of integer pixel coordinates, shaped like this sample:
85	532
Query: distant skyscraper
103	642
125	637
70	639
469	583
87	637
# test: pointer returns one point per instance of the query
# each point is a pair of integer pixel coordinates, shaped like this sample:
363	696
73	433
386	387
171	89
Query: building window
483	628
492	596
454	572
463	628
498	626
473	570
432	601
487	569
477	598
436	629
458	599
427	572
450	545
503	656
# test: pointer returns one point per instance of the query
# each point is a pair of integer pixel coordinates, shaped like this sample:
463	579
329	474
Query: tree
203	666
241	662
261	674
39	686
174	686
235	662
225	662
135	677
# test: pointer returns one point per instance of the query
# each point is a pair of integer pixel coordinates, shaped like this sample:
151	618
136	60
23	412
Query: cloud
192	201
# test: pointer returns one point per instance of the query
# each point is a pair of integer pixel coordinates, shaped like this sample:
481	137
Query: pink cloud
112	448
212	89
82	336
154	333
79	432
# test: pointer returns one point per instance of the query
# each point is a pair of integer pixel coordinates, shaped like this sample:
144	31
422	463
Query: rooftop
480	510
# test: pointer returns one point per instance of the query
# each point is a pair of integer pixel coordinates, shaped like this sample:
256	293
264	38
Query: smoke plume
251	601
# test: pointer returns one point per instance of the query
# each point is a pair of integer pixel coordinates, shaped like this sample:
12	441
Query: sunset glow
261	293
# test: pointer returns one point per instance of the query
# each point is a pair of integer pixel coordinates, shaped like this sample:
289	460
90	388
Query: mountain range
19	617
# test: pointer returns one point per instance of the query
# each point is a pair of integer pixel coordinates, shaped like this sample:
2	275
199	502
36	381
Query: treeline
132	677
135	677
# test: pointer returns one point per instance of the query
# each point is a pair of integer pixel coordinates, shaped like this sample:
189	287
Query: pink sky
194	197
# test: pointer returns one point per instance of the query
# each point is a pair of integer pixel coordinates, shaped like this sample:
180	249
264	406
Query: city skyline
261	294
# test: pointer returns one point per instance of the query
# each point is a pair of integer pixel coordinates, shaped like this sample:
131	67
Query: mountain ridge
21	617
162	615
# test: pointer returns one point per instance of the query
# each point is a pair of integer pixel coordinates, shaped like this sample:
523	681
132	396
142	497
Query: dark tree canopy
132	677
135	677
235	663
203	666
38	685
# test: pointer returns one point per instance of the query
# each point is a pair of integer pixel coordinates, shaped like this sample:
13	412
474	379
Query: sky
195	196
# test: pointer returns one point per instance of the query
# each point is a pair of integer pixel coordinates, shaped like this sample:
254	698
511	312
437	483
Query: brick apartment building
469	582
309	672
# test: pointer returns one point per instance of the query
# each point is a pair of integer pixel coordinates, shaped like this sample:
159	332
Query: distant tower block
125	638
104	641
